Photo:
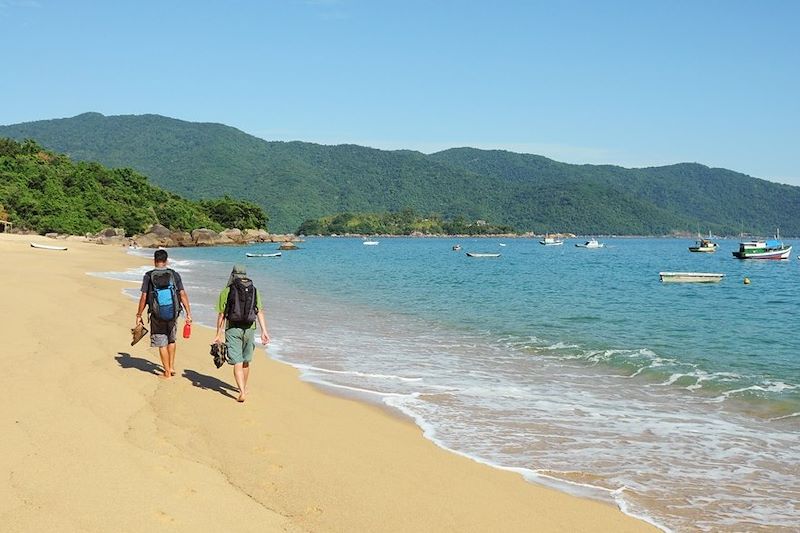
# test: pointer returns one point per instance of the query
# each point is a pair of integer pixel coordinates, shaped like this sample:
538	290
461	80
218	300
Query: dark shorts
162	333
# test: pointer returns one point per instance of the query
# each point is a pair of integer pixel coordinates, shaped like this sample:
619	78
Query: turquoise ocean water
680	403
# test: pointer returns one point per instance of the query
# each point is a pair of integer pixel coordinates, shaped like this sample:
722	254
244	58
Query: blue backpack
163	298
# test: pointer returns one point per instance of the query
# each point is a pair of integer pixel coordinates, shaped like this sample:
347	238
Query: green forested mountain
405	222
44	191
296	181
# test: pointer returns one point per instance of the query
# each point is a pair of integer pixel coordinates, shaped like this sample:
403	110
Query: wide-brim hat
239	271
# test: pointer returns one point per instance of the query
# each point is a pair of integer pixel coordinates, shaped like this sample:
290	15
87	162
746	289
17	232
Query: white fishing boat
690	277
591	243
705	246
550	241
772	249
276	254
47	247
371	243
481	254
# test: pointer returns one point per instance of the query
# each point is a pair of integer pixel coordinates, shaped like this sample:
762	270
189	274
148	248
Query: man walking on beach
239	307
163	293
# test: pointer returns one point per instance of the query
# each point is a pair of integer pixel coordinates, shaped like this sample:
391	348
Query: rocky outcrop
151	240
158	230
255	235
181	238
157	235
112	232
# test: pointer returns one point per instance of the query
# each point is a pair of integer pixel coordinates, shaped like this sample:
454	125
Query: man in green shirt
238	312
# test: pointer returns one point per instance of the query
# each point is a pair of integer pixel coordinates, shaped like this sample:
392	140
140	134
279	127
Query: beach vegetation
48	192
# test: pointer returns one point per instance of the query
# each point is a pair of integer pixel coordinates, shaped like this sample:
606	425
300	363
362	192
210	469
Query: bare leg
238	375
246	373
163	352
171	350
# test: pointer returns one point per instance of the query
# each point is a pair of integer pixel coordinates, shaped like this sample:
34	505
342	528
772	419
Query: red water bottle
187	330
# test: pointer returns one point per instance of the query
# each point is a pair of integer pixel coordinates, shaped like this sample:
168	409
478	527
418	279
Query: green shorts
241	343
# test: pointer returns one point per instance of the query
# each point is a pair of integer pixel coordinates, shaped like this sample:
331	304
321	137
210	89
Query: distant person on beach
239	308
163	293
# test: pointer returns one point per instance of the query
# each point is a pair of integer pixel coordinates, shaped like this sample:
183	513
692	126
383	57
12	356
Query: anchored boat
478	254
276	254
690	277
550	241
704	245
591	243
772	249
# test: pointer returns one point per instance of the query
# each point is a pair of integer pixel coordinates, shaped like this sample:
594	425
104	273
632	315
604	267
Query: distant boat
550	241
690	277
502	244
456	247
371	243
478	254
276	254
704	245
591	243
47	247
772	249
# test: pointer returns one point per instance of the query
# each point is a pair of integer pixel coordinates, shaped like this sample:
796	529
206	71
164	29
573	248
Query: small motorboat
550	241
690	277
371	243
276	254
481	254
704	245
456	247
48	247
591	243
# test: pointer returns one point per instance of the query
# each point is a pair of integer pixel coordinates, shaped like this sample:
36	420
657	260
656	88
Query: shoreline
105	433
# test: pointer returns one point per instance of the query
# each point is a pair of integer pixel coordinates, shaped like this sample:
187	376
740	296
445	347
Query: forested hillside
47	192
296	181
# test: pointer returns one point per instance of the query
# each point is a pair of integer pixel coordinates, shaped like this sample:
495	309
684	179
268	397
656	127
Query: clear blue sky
634	83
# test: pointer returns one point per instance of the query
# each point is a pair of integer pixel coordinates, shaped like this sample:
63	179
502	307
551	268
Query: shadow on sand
126	360
210	383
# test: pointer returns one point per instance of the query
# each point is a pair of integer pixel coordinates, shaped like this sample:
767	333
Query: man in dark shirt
163	333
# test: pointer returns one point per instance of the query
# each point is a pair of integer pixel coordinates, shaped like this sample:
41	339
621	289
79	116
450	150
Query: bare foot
166	375
172	373
241	398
